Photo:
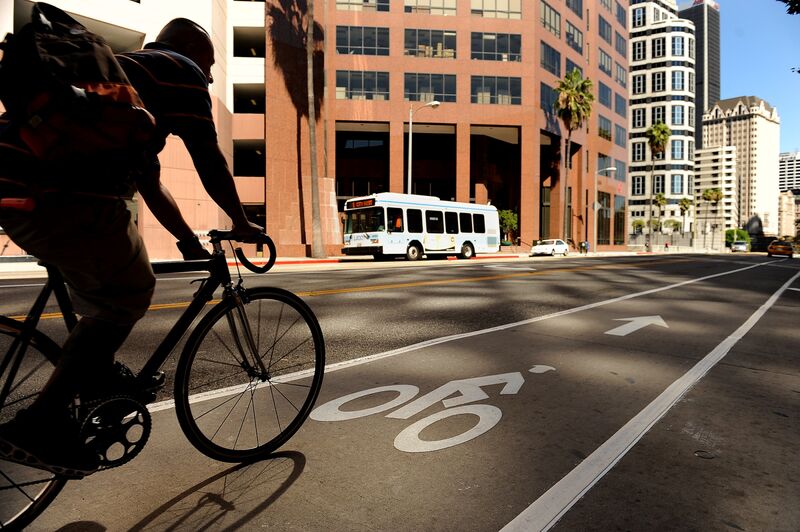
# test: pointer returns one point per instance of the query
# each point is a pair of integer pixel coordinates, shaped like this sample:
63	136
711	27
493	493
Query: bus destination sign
362	203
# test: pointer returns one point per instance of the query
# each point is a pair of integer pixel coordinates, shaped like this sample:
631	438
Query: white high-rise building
789	171
661	53
753	126
715	168
787	207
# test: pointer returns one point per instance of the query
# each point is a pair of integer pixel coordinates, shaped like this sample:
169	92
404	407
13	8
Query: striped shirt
175	91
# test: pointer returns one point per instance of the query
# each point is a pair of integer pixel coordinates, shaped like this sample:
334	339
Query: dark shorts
95	245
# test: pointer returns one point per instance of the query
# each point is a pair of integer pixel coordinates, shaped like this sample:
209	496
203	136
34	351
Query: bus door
395	231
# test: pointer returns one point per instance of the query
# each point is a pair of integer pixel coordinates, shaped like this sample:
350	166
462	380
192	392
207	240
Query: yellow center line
412	284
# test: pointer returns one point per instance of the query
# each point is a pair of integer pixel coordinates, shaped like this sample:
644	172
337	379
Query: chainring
117	428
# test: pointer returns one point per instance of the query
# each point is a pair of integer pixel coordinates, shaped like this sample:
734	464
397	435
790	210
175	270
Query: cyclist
87	233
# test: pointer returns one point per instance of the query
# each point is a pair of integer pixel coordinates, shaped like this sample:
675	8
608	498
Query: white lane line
555	502
795	289
165	405
21	285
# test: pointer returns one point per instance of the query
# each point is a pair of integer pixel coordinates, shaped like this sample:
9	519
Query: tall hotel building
753	127
716	168
662	53
493	64
705	15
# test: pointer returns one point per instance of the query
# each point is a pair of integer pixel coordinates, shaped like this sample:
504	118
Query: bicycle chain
101	435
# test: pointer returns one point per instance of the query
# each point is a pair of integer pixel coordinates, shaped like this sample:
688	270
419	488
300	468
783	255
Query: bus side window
480	224
414	220
451	223
395	217
434	221
466	222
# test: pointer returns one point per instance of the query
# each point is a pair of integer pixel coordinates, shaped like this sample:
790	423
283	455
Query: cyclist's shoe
30	440
121	381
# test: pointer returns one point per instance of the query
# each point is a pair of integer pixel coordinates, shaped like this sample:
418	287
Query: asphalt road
630	393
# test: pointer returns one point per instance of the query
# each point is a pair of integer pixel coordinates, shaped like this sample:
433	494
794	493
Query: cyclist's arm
218	182
163	205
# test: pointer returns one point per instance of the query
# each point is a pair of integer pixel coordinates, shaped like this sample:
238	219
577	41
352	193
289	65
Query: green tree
673	224
637	226
792	6
509	221
712	196
657	138
685	205
660	201
732	235
573	107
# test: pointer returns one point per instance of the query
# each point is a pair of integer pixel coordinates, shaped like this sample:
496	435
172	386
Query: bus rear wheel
467	251
413	252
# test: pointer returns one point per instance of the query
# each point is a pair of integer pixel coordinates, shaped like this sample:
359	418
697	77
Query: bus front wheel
467	251
413	252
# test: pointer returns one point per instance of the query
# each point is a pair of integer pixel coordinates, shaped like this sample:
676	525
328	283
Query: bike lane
389	447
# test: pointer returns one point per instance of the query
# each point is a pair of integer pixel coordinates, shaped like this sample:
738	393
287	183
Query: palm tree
712	195
660	201
684	205
573	107
657	137
317	245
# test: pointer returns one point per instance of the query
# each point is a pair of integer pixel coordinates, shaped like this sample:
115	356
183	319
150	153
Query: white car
739	245
552	247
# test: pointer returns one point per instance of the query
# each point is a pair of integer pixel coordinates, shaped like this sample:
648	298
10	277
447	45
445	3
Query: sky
760	46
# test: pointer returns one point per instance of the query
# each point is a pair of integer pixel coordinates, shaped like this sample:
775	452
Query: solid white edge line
555	502
166	405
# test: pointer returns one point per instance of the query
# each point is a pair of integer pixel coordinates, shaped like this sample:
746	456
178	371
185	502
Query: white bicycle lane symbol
408	440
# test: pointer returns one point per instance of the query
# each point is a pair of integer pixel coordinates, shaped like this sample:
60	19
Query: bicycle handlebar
216	236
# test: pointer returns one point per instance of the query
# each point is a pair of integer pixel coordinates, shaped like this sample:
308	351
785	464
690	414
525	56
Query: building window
362	85
551	19
430	43
604	29
360	40
604	127
658	81
677	150
433	7
619	220
496	90
677	184
658	184
576	6
638	117
574	38
496	46
604	94
691	82
691	119
605	62
658	47
621	174
620	44
691	48
677	46
638	185
621	15
493	9
249	98
677	115
639	84
620	136
657	115
604	218
677	80
620	74
639	17
551	59
547	97
606	4
620	105
429	87
572	66
691	149
638	151
362	5
639	50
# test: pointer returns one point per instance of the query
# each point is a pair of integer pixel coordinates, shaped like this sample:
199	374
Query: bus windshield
364	221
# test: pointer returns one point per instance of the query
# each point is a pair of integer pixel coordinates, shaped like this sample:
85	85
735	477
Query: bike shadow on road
226	501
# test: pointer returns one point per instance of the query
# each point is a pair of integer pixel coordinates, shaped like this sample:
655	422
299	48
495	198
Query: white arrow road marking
635	324
796	289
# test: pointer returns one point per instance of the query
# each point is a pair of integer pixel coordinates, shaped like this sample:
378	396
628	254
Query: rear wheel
413	252
25	367
467	251
239	398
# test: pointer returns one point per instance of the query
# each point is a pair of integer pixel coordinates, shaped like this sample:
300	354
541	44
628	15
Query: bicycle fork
251	361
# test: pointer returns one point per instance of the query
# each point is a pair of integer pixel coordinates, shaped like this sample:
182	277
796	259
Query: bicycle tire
24	492
211	380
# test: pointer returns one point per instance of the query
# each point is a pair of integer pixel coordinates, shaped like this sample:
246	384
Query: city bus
392	225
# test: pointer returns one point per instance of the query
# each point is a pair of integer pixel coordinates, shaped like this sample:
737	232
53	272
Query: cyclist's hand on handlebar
248	233
191	249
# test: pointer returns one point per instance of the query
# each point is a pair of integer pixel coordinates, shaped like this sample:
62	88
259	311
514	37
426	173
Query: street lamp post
433	104
596	204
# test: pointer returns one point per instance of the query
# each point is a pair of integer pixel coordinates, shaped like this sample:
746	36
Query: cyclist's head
190	39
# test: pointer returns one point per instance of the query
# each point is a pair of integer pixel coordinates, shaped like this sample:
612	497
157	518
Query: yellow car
780	247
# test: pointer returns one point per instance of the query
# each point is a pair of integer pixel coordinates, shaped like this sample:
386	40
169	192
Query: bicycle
254	346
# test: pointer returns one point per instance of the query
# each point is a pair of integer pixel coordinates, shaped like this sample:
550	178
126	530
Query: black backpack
66	96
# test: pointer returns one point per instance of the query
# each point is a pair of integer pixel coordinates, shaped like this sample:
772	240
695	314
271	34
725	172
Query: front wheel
413	252
24	368
248	376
